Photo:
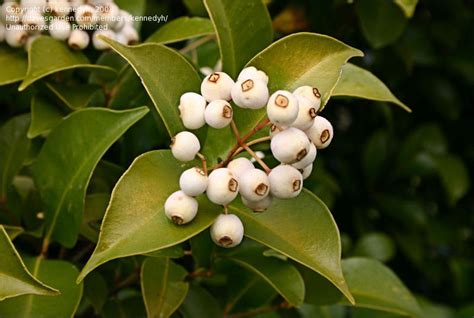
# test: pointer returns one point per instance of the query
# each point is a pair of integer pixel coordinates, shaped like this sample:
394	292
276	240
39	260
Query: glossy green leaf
163	286
135	222
281	275
15	279
181	29
376	286
360	83
67	160
175	251
243	29
454	176
296	60
96	291
200	303
165	74
13	63
94	209
74	96
309	237
47	56
408	6
382	21
13	231
14	147
375	245
60	275
45	115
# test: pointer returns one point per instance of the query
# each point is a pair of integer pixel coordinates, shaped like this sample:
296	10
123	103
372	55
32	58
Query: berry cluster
295	135
74	21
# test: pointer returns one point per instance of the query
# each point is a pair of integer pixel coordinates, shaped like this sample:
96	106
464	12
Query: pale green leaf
13	231
15	279
408	6
360	83
13	64
243	29
60	275
181	29
47	56
135	222
163	286
66	162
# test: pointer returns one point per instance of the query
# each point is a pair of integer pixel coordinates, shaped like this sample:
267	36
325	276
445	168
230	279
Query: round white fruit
258	206
33	21
227	230
129	34
222	187
282	108
78	39
321	132
250	93
16	37
191	108
306	114
290	145
100	44
3	30
86	16
308	159
254	185
286	182
312	94
193	181
60	29
185	146
181	208
306	171
252	72
59	8
218	114
239	166
217	85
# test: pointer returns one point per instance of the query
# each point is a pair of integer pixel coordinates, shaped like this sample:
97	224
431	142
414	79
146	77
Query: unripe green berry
227	230
286	182
185	146
181	208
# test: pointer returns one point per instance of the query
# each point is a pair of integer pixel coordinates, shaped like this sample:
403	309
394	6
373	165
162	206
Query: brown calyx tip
233	185
214	77
226	241
247	85
296	185
261	189
176	219
325	135
301	154
313	113
173	140
316	92
227	111
281	101
200	171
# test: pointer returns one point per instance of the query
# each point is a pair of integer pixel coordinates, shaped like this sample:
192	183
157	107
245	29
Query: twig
251	143
194	45
204	162
257	158
235	130
193	275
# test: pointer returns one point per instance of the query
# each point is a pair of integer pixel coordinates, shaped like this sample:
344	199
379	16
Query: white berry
286	182
274	129
98	43
181	208
217	85
227	230
308	159
129	34
321	132
218	114
78	39
191	109
282	108
258	206
37	5
60	29
86	16
222	187
59	8
33	21
306	114
10	13
254	185
250	93
251	72
311	93
239	166
306	171
108	14
185	146
193	181
16	37
290	145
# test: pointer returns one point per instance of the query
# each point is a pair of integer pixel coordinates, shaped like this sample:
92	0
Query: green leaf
200	303
96	291
94	209
60	275
296	60
13	231
309	237
375	245
408	6
66	162
163	286
375	286
165	74
243	29
74	96
181	29
382	22
13	64
454	176
47	56
15	279
44	116
360	83
135	222
175	251
14	147
281	275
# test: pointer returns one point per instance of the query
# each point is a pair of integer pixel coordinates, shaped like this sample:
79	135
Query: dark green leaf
45	115
181	29
454	176
13	231
96	291
74	96
13	64
200	303
375	245
408	6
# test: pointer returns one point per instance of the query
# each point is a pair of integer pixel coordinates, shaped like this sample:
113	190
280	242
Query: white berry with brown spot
227	230
306	114
16	37
250	93
312	94
218	114
286	182
290	145
252	72
185	146
321	132
239	166
306	171
181	208
78	40
254	185
217	85
282	108
191	110
222	187
308	159
193	181
260	205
